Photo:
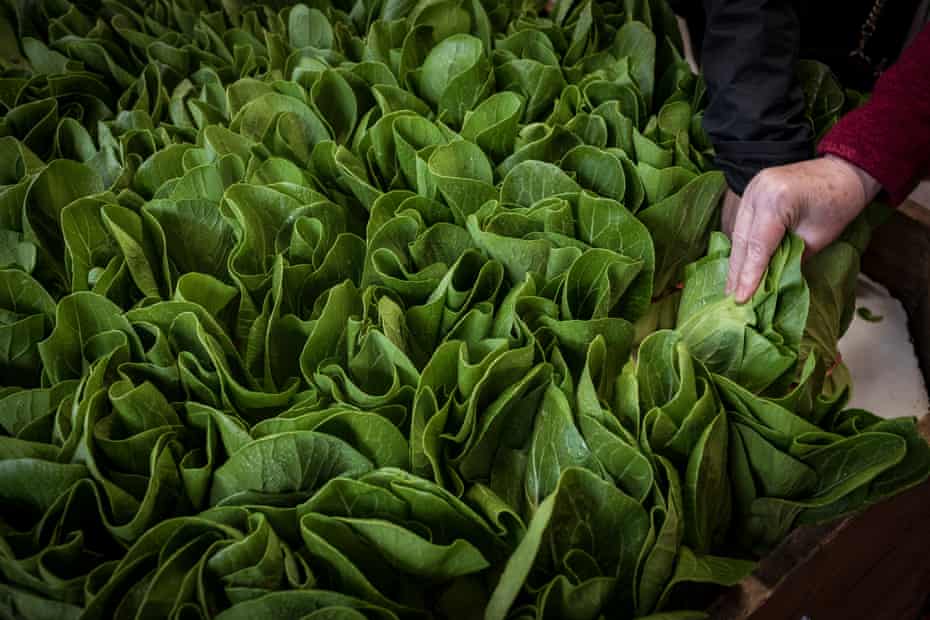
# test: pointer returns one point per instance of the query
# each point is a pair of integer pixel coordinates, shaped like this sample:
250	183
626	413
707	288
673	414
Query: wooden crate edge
744	600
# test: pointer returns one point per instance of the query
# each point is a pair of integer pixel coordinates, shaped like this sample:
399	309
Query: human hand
816	199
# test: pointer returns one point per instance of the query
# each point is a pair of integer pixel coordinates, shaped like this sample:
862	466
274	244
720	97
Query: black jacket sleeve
755	115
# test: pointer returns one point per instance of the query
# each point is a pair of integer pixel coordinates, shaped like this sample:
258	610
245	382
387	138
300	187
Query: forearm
755	116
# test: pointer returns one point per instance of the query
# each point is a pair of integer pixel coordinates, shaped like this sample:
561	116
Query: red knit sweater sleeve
889	137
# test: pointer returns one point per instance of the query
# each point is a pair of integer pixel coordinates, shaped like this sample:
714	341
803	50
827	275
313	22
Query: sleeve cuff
897	167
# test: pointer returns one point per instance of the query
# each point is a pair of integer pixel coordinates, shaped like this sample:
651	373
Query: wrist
870	186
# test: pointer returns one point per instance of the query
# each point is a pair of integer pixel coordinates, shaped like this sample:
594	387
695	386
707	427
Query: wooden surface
874	565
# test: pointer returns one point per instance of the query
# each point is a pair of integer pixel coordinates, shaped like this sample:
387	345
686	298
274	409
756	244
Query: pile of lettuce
396	309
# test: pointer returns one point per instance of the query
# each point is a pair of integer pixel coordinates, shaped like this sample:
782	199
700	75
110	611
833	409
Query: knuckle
755	250
768	178
780	191
783	204
785	211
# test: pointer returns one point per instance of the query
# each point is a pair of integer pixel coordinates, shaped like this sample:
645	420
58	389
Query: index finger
764	236
739	237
